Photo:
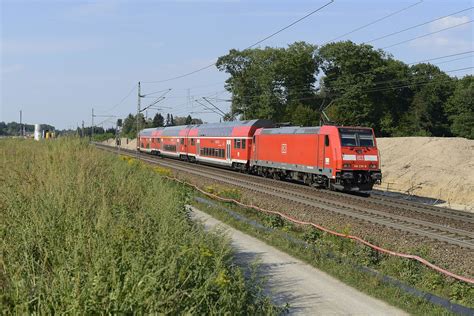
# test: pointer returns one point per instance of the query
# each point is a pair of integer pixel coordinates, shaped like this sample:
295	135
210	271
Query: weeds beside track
84	232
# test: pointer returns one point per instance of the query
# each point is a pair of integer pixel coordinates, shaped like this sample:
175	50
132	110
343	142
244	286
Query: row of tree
129	124
356	84
14	128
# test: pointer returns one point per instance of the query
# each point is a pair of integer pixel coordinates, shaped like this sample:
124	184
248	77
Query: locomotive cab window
348	140
356	137
366	140
243	143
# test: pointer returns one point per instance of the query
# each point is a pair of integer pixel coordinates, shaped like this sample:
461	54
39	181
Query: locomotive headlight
376	176
346	165
347	175
372	166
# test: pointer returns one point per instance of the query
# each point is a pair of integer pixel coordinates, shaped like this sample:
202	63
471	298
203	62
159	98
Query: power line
396	81
147	94
328	79
441	57
415	26
123	99
374	22
451	60
254	44
421	36
376	89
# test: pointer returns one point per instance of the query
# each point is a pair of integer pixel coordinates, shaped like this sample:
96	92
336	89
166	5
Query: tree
426	115
264	82
129	125
460	108
129	128
158	120
365	86
303	115
196	121
189	120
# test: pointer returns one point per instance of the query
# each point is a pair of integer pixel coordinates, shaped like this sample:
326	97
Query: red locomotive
334	157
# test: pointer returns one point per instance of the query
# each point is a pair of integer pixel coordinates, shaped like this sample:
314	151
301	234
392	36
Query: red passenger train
334	157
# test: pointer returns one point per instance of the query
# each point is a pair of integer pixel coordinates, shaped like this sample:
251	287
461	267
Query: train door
198	147
254	148
321	150
326	152
228	147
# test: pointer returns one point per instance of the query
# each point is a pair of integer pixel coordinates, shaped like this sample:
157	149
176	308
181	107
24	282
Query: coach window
182	141
243	143
192	141
159	140
326	140
237	143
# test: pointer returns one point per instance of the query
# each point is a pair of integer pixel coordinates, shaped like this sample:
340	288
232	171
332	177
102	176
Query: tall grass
85	232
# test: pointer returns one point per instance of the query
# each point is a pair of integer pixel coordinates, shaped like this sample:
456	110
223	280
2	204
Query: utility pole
138	121
21	124
82	132
92	129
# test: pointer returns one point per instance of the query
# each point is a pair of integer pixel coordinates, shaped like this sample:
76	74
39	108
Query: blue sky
61	58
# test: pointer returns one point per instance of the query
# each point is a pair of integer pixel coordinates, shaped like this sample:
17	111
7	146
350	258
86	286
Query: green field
85	232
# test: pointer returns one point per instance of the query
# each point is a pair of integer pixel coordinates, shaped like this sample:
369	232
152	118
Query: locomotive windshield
356	137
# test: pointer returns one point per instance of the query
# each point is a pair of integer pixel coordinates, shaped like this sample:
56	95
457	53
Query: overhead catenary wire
400	83
254	44
123	99
374	22
418	25
328	78
351	83
428	34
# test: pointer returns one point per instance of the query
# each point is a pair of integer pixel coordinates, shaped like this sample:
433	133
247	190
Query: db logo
283	148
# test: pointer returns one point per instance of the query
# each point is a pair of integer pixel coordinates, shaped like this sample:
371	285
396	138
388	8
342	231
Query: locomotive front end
360	161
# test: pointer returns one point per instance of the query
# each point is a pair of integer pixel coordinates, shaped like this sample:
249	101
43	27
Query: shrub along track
438	225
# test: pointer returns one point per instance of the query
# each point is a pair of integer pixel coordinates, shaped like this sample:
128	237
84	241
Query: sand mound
126	143
440	168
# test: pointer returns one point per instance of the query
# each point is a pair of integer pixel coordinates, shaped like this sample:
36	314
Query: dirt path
307	290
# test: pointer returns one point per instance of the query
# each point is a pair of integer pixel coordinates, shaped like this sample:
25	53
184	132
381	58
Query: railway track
373	210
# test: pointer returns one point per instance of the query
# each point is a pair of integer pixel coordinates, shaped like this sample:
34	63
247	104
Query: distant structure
43	133
38	134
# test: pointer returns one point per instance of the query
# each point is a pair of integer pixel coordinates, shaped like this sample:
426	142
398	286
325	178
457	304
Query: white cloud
449	41
449	22
443	43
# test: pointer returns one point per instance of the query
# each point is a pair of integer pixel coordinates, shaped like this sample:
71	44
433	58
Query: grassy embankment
84	232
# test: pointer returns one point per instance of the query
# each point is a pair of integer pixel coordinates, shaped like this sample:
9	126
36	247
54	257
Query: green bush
84	232
102	137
